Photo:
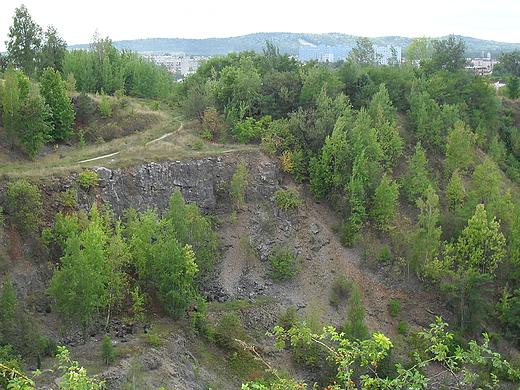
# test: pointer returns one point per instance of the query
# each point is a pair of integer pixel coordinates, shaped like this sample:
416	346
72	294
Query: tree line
372	139
40	76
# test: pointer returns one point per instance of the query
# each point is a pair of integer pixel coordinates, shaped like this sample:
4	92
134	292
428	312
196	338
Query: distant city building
323	53
180	65
387	54
481	66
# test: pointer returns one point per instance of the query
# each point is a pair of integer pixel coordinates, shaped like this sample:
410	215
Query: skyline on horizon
206	19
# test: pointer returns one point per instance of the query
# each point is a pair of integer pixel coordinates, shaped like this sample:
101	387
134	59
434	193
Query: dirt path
148	143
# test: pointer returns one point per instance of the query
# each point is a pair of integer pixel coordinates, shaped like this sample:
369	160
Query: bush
402	328
104	107
24	205
227	330
283	264
394	307
341	289
88	179
288	199
107	350
288	319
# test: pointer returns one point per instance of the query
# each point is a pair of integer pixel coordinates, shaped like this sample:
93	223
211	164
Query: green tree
420	49
107	350
191	228
24	205
513	87
53	50
385	204
346	354
448	54
363	54
355	327
34	117
12	103
481	245
55	95
460	152
82	285
24	43
382	112
416	181
510	62
426	240
455	192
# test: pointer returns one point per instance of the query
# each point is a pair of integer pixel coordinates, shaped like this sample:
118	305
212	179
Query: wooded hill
421	165
288	43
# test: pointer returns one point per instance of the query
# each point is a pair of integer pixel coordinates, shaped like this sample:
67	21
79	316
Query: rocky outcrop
203	182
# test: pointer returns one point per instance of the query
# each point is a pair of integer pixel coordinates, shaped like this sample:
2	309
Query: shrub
288	199
341	289
283	264
227	330
238	185
289	318
107	350
24	205
68	198
104	107
88	179
402	328
394	307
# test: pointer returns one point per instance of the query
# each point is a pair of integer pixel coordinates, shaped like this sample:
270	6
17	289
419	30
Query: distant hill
287	43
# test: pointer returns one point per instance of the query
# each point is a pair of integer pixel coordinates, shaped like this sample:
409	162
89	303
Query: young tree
426	239
385	203
416	181
481	245
24	42
24	205
55	95
355	327
460	153
12	104
53	50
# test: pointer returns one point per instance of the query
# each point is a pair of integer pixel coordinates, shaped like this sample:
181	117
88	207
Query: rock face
201	181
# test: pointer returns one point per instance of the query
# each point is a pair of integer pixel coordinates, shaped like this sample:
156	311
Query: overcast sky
77	21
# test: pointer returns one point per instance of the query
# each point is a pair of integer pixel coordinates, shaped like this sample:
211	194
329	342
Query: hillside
288	43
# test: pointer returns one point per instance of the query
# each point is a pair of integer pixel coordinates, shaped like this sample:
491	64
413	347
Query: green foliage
340	291
88	178
355	327
289	318
105	107
394	307
384	204
24	41
238	185
416	181
54	93
107	350
347	354
402	328
227	329
288	199
250	130
24	205
283	264
75	377
68	198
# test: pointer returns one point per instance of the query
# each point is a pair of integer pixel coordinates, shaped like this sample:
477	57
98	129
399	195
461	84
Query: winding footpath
148	143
